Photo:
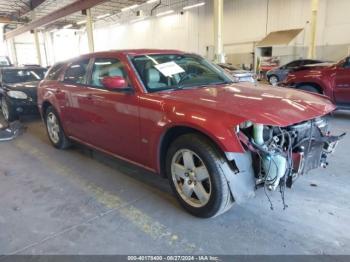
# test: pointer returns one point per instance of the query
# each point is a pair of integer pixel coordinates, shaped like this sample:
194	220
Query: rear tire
195	173
309	89
54	129
8	112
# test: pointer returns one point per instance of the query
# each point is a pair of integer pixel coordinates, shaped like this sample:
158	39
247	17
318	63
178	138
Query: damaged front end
279	155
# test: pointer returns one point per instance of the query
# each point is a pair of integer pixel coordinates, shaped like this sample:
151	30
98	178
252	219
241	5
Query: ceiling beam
49	18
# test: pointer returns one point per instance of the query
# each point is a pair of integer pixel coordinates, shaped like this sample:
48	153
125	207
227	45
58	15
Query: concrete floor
82	202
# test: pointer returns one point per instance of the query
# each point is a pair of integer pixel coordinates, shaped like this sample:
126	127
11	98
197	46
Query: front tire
194	169
54	129
7	111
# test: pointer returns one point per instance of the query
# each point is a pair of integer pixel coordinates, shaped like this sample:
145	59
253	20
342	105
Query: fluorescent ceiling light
67	26
137	20
151	1
193	6
103	16
81	22
165	13
129	8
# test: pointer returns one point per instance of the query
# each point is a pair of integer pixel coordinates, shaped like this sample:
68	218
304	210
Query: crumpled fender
241	183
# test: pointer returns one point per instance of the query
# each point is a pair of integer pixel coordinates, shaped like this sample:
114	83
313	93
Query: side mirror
116	83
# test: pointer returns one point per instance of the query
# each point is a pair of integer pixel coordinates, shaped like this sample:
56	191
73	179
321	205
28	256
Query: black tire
62	141
271	77
7	111
220	199
309	89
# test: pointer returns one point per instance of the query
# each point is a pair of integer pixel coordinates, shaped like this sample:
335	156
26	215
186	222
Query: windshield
22	75
177	71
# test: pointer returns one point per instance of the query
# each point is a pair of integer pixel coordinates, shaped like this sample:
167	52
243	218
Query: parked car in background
239	75
278	74
332	80
180	116
5	61
18	90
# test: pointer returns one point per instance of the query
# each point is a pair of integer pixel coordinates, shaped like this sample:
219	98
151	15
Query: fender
219	130
322	78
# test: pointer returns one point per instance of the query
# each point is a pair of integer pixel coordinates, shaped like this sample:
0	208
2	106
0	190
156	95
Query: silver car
239	75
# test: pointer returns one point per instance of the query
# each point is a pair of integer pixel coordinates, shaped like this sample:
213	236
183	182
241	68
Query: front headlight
17	94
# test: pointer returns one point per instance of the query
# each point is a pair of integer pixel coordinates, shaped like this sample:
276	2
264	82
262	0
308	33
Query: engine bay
281	154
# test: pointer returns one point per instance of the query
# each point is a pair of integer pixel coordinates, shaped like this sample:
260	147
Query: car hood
260	104
24	86
30	88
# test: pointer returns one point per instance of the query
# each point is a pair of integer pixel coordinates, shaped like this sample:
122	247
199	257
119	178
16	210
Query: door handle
58	91
89	96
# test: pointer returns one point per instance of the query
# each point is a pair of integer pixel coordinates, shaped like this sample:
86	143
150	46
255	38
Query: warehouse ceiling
15	13
33	9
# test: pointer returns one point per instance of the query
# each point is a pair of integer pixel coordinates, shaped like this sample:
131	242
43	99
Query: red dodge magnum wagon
183	117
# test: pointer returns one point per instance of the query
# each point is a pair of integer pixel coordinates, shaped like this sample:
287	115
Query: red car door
342	83
72	95
113	121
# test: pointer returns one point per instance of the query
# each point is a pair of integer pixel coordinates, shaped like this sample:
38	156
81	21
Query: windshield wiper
201	85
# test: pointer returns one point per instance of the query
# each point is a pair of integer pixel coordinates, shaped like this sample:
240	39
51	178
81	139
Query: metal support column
313	27
89	30
218	24
12	47
37	46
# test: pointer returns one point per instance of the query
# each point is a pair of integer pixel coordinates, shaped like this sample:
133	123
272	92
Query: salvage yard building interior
189	127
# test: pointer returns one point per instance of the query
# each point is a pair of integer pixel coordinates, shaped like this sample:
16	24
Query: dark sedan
278	74
18	87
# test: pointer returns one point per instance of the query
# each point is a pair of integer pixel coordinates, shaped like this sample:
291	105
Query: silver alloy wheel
191	178
273	80
4	108
53	127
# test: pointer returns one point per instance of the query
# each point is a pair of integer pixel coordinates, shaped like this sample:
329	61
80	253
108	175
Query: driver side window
106	67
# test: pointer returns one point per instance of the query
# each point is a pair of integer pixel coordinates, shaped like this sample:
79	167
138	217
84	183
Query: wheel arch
173	133
317	86
273	74
44	107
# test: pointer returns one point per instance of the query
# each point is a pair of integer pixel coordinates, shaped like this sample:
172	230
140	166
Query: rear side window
76	73
54	72
103	67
